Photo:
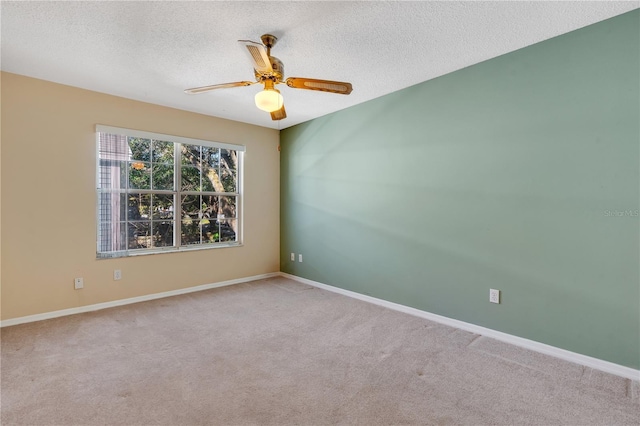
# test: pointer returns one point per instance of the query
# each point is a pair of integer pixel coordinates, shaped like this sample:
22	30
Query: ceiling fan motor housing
276	75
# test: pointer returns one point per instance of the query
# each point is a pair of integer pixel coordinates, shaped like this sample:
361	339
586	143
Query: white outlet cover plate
494	296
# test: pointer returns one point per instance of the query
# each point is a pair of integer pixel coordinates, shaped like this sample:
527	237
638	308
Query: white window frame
177	192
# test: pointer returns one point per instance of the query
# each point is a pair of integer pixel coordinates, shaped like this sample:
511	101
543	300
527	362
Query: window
165	193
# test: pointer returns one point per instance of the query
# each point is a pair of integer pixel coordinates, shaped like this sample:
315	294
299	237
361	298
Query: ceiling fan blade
258	55
340	87
279	114
203	89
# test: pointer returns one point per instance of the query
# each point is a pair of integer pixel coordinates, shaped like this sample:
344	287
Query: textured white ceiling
152	51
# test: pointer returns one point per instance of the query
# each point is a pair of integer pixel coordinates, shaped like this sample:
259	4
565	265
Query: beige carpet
282	353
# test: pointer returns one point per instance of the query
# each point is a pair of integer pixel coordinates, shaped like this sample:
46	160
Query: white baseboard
595	363
574	357
114	303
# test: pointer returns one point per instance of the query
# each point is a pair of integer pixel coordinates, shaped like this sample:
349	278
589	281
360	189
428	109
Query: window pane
162	206
140	149
228	230
163	176
139	206
112	174
210	231
210	157
162	152
139	235
139	175
190	206
210	164
190	154
209	177
228	179
113	147
190	231
162	233
229	170
190	178
113	207
112	236
227	207
209	206
229	160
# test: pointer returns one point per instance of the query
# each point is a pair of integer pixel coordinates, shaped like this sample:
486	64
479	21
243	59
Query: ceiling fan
269	71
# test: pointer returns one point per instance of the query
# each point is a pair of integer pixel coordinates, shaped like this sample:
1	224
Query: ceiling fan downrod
269	41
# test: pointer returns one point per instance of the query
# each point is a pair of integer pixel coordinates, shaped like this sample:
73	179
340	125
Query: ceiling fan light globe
269	100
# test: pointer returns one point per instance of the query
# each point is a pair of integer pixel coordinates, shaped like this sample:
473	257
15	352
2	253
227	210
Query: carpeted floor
282	353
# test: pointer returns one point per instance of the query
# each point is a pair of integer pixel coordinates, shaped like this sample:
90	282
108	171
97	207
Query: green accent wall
520	173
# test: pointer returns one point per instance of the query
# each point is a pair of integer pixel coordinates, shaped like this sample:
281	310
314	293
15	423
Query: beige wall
49	197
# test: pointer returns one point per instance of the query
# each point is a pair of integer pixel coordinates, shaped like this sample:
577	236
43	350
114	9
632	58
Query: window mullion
151	197
201	215
177	198
126	210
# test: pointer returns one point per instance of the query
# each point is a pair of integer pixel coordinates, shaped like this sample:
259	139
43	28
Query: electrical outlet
300	258
293	257
117	274
494	296
78	283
